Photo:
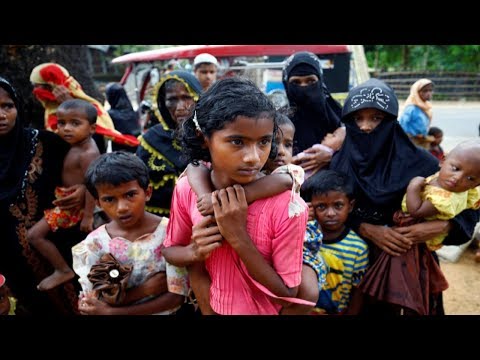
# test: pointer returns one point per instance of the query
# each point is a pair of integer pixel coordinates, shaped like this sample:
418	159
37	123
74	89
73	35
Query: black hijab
15	153
383	162
121	111
316	112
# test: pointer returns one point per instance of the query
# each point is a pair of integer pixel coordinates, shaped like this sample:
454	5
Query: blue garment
414	121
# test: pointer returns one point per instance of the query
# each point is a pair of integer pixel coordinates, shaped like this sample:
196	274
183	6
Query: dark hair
220	104
115	168
283	119
325	181
84	105
435	131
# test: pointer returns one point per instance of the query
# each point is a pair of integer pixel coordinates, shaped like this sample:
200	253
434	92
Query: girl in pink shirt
245	259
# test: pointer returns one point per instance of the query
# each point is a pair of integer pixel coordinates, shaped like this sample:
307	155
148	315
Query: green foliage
423	57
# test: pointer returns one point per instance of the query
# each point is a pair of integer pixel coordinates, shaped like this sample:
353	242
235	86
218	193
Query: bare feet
477	256
58	277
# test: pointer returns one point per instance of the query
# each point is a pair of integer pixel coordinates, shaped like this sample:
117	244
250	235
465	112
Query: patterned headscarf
54	75
161	112
415	99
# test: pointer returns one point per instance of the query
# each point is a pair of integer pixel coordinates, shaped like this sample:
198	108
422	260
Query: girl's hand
230	208
74	200
204	204
386	238
424	231
93	306
206	237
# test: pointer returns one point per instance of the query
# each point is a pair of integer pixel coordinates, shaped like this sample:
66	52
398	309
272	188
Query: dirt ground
463	295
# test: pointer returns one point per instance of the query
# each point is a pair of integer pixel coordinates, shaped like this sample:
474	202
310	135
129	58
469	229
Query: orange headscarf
415	99
54	75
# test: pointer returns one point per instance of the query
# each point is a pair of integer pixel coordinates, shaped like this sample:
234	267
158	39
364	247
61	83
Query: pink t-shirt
277	237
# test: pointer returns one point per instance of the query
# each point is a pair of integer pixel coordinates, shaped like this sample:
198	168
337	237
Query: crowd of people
224	204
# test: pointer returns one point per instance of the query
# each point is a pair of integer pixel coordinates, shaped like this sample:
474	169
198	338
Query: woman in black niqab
316	113
380	165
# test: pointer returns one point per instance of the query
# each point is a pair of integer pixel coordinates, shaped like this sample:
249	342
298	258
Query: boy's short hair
116	168
327	180
87	108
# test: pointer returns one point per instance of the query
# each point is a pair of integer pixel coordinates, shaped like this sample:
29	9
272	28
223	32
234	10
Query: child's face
284	146
335	139
368	119
240	150
73	126
438	139
331	210
460	171
4	302
124	203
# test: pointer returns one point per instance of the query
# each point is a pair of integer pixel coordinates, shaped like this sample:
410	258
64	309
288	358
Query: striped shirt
347	262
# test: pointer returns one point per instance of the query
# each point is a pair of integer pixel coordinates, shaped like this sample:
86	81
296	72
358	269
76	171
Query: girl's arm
230	208
204	239
168	300
153	286
199	180
417	207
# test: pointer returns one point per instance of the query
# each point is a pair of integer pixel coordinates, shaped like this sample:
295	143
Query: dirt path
463	295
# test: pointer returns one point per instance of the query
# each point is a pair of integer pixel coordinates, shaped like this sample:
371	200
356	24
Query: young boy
344	252
120	185
76	125
435	148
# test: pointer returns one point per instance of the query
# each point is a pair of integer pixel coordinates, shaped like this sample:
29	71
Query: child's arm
86	224
417	207
205	238
153	286
199	180
168	300
267	186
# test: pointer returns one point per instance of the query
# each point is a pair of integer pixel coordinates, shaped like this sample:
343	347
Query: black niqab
382	162
316	112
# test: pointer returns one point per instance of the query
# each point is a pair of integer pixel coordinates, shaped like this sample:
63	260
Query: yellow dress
449	204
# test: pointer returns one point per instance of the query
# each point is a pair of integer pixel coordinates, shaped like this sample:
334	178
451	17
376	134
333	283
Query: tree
17	62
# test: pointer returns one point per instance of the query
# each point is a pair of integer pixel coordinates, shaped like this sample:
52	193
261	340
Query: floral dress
145	254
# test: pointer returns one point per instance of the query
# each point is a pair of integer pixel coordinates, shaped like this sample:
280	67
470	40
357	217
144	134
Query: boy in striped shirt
344	252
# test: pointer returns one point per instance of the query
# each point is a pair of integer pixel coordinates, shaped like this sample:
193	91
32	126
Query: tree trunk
17	62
